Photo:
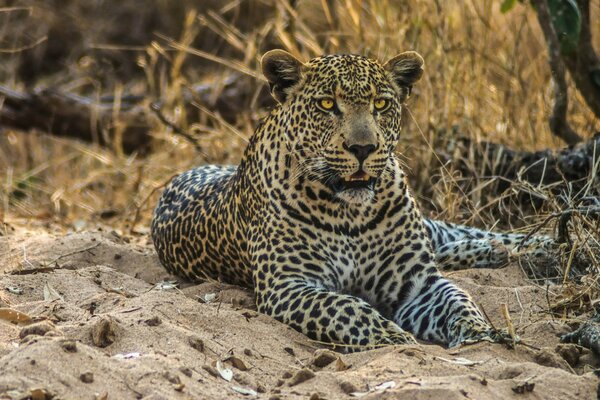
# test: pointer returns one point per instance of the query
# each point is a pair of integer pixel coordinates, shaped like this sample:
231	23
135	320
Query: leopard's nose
361	152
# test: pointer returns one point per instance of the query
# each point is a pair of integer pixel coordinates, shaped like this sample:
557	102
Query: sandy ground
85	315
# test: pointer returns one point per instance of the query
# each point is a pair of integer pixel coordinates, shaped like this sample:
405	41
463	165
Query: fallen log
77	117
571	171
128	126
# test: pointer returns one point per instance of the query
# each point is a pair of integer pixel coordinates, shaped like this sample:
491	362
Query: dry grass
487	77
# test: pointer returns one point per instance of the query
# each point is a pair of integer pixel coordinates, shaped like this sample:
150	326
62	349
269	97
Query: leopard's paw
537	248
487	335
498	255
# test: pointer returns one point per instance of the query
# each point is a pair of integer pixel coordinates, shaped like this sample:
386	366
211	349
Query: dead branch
558	120
156	107
567	170
584	63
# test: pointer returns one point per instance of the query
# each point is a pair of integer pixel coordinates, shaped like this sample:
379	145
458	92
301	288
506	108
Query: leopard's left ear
405	70
283	71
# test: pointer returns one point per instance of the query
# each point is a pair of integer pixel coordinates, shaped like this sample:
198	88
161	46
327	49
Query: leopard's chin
356	196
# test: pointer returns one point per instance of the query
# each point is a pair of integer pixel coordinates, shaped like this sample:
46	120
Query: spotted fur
318	218
460	247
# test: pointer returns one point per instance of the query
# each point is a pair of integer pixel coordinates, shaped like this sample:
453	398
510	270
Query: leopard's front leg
323	314
443	313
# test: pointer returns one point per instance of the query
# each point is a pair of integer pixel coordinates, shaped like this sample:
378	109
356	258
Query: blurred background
103	102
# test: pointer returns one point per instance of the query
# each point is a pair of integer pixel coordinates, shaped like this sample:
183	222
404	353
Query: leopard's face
344	120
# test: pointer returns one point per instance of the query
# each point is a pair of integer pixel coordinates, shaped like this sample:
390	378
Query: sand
93	315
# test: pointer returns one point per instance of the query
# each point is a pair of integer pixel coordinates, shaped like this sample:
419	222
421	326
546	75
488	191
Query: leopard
318	218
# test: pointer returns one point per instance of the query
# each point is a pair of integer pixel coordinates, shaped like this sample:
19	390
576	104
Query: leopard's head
341	116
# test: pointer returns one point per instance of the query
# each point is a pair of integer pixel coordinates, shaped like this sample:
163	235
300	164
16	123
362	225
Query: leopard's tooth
357	178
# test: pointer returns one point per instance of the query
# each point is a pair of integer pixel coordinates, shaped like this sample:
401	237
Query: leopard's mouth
358	180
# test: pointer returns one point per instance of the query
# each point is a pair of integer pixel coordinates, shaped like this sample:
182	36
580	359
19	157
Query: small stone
523	387
154	321
103	332
248	352
70	346
40	394
290	351
174	379
39	328
348	387
548	358
86	377
287	375
314	396
186	371
179	387
301	376
196	343
570	352
323	358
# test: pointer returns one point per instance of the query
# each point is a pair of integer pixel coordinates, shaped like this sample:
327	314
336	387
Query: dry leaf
244	391
166	285
14	316
208	297
225	372
385	385
460	361
238	363
39	394
127	356
340	365
14	290
382	387
50	294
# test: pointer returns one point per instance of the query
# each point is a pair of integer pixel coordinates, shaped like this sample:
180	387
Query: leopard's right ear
282	70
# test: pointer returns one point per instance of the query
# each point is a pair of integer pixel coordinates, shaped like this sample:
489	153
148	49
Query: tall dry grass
486	77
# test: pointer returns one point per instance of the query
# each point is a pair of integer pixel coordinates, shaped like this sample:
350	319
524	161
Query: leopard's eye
327	104
381	104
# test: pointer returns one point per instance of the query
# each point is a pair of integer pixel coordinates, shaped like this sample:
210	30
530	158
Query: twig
47	267
562	227
136	217
156	108
25	47
509	324
74	252
565	217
